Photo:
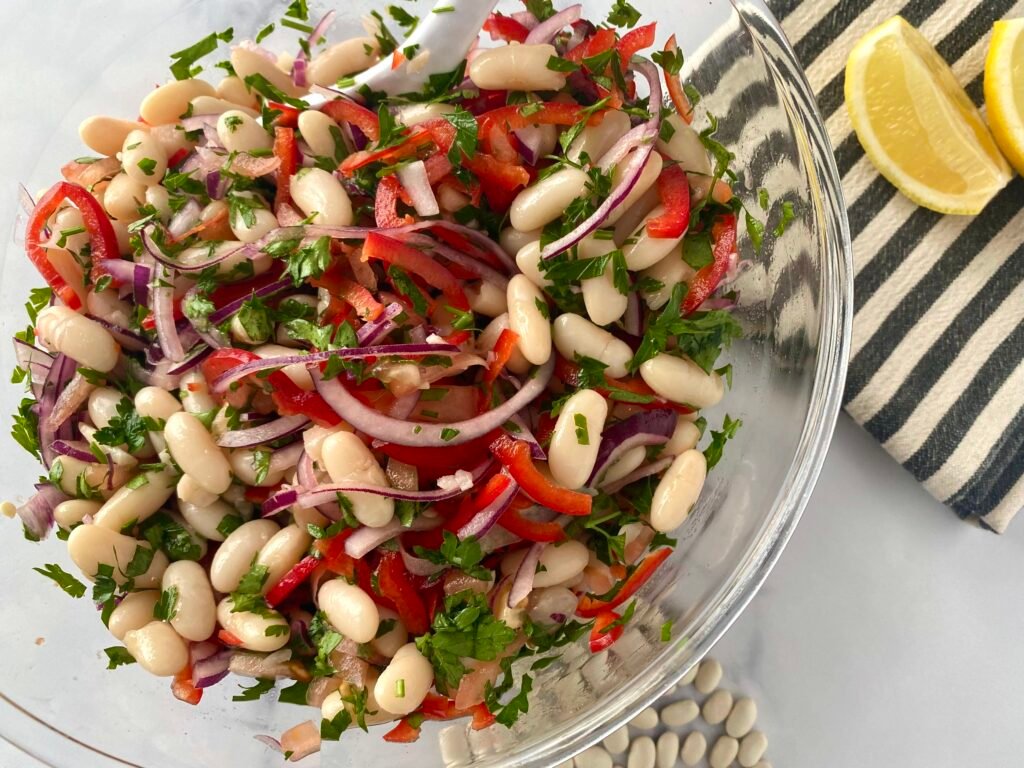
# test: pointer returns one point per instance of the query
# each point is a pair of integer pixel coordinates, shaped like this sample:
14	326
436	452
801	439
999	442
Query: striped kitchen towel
937	364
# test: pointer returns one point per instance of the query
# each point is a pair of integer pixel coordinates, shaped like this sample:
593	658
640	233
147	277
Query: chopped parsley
465	135
788	214
126	428
582	432
465	555
166	607
62	579
118	656
183	66
623	14
255	691
713	453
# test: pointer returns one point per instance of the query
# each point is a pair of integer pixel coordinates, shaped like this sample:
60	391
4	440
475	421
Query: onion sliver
522	585
264	433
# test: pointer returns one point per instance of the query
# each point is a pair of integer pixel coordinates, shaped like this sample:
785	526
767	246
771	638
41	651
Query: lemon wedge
917	124
1004	89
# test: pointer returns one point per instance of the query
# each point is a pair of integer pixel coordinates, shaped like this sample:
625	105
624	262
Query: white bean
487	299
516	68
575	335
684	437
93	545
317	192
158	649
529	262
646	720
404	683
232	89
678	491
648	176
742	718
160	200
347	459
248	62
123	197
686	148
282	552
604	302
92	472
195	615
752	748
688	677
195	393
322	134
245	464
67	219
83	340
667	750
251	628
205	518
246	232
350	610
560	563
577	437
138	500
414	114
489	337
297	372
234	556
170	101
133	612
547	604
680	713
694	748
343	59
625	464
388	643
103	402
717	707
593	757
193	493
238	132
595	140
213	105
156	403
528	320
709	675
547	199
724	752
512	240
617	741
105	135
643	251
681	380
195	452
69	269
71	512
670	271
143	159
642	753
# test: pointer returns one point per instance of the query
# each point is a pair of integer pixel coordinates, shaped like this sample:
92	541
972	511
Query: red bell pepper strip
175	160
502	351
403	733
289	117
351	292
385	205
505	28
511	118
482	716
500	182
589	607
515	456
602	40
674	191
228	638
395	584
292	580
284	150
600	636
675	88
512	520
417	139
346	110
704	283
635	41
412	260
183	688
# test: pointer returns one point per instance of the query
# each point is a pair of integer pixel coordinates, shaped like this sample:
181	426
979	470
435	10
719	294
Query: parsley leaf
126	428
542	9
118	656
25	427
465	555
309	261
788	214
166	607
465	135
623	14
713	453
182	67
62	579
255	691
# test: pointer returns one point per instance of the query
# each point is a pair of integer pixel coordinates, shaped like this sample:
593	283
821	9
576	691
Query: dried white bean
577	437
123	197
71	512
322	134
575	335
93	545
317	192
528	320
642	753
350	610
724	752
512	239
389	643
643	251
605	303
742	718
752	749
646	720
251	628
593	757
547	199
238	132
648	176
105	135
667	749
516	68
158	649
195	393
681	380
487	299
234	556
195	452
688	150
138	500
103	402
297	372
205	518
617	741
232	89
595	140
195	615
667	272
689	677
680	713
404	683
143	158
282	552
343	59
133	612
529	262
170	101
347	460
717	707
85	341
246	232
694	747
626	463
192	493
709	675
248	62
677	492
684	437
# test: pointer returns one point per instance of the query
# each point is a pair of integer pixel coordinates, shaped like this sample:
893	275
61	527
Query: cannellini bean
212	105
248	62
69	269
489	337
238	132
678	491
160	199
232	89
156	403
547	199
245	464
709	675
669	271
593	757
72	511
512	240
646	720
83	340
414	114
667	750
93	473
251	232
596	140
451	200
404	683
350	610
547	604
644	251
251	628
528	319
688	677
694	748
684	437
686	148
343	59
680	713
298	373
195	393
347	459
93	545
138	500
752	749
317	192
617	741
133	612
105	135
648	175
516	68
123	197
193	493
322	134
195	452
195	616
216	218
575	335
487	299
642	753
158	648
103	402
577	437
626	463
143	159
724	752
313	440
742	717
282	552
681	380
170	101
65	220
604	302
205	518
529	262
561	562
234	556
123	238
388	643
717	707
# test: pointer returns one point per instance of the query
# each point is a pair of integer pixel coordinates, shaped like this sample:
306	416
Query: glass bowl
60	704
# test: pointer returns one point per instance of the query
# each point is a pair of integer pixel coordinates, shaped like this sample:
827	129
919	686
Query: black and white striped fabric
937	365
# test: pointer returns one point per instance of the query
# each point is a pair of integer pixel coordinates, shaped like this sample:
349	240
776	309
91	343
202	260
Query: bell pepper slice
228	638
589	606
391	251
515	456
500	182
395	584
511	118
675	88
512	520
505	28
674	191
602	40
183	689
601	637
635	41
346	110
403	733
502	351
707	279
289	117
292	580
285	151
385	205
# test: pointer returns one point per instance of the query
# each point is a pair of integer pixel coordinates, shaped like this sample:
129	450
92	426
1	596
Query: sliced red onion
526	18
187	217
61	373
74	450
485	519
221	314
161	294
484	271
642	139
650	469
36	362
274	430
269	741
367	539
36	514
285	458
403	476
211	670
28	204
531	141
391	430
581	30
129	340
299	71
631	318
536	450
192	359
126	272
153	249
414	178
477	237
522	584
214	186
497	538
546	30
299	67
404	406
418	566
323	494
70	400
654	427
